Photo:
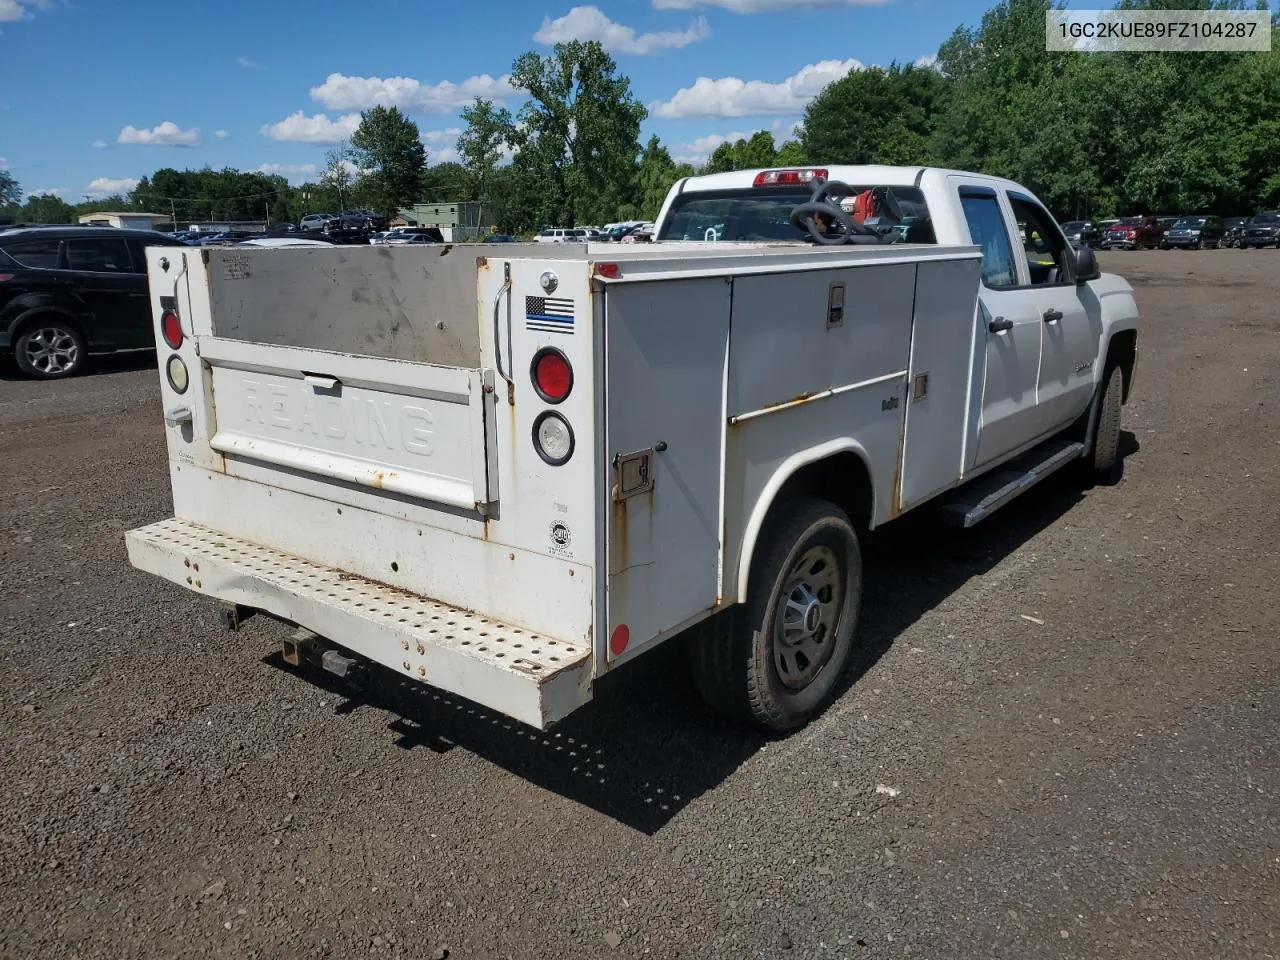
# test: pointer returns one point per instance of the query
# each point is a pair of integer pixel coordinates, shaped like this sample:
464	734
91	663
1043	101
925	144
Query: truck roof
879	174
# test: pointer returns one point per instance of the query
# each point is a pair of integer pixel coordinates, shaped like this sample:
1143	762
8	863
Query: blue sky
97	93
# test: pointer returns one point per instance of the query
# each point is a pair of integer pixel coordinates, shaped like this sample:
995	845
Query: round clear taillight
176	371
171	329
552	375
553	438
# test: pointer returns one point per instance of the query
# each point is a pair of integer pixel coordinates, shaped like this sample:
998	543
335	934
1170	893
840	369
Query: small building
131	221
456	221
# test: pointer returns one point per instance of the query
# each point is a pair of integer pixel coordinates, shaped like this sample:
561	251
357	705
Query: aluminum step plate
527	676
970	505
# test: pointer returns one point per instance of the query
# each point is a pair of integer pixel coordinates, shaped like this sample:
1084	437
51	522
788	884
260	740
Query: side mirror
1086	265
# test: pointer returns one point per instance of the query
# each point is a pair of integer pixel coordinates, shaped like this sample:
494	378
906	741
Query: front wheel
1105	462
780	662
49	349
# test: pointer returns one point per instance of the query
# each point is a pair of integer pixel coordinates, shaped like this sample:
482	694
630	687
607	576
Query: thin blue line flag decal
549	314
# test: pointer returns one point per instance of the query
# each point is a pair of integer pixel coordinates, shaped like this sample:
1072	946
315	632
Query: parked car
1233	229
562	235
1134	233
1082	232
69	291
500	238
284	242
1194	233
415	235
1262	231
314	222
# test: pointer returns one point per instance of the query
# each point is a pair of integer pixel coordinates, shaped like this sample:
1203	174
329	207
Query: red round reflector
171	329
619	640
552	375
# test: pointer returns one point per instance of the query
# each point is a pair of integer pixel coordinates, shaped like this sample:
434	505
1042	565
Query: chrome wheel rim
52	350
808	613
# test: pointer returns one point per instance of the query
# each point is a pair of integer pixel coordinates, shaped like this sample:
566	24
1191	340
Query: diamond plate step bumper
529	677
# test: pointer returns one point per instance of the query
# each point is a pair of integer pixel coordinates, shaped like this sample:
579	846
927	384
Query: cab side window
987	230
1046	248
98	256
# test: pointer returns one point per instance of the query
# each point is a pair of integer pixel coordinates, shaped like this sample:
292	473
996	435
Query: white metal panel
533	678
1067	353
763	452
937	393
783	349
666	345
418	446
528	589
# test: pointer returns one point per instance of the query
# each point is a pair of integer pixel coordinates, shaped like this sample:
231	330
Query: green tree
10	191
446	182
791	154
578	134
743	154
655	176
390	153
339	173
47	208
481	146
876	116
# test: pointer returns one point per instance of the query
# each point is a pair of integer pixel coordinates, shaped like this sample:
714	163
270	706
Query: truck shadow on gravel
646	746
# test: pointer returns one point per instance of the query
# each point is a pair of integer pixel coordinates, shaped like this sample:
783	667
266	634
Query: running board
987	494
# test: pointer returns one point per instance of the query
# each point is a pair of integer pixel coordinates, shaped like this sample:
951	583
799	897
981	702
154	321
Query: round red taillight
552	375
171	329
620	639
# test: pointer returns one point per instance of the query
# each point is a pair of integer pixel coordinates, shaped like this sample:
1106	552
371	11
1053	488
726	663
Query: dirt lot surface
1063	742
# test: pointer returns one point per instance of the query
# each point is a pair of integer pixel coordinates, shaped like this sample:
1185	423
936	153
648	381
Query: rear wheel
779	663
49	348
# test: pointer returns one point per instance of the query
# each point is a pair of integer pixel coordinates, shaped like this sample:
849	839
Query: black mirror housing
1086	265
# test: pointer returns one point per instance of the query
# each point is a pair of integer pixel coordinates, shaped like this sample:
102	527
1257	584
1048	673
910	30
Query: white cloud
699	150
247	63
318	128
590	23
294	172
98	144
105	186
731	97
221	134
760	6
4	163
929	60
14	10
442	145
47	191
340	92
167	134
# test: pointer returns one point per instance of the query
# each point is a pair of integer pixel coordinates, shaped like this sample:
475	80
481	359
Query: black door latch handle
1052	316
999	325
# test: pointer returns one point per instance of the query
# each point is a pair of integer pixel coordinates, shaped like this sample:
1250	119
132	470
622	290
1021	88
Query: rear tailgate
413	429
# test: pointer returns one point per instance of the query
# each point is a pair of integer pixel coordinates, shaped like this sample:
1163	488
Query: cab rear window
764	214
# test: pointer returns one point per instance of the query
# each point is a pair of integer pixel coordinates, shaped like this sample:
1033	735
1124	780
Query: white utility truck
506	471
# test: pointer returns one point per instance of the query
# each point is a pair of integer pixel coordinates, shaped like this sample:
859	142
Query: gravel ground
1063	741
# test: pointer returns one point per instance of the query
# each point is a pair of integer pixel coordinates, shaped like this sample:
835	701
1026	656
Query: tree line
1093	134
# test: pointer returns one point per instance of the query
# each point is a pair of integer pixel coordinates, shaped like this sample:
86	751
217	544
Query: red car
1134	233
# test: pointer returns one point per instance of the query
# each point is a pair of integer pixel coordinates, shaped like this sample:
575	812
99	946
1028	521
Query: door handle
1000	325
1052	316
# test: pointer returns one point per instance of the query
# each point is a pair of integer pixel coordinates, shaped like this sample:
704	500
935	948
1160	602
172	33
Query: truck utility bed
366	448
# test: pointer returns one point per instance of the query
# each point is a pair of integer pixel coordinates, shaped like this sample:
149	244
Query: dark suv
1233	228
1194	233
354	226
66	292
1262	231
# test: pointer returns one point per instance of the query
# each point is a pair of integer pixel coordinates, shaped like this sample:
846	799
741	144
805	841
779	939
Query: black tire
49	348
742	663
1105	460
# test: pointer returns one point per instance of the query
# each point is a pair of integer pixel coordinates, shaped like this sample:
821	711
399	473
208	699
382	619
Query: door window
98	255
34	254
1045	246
987	230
